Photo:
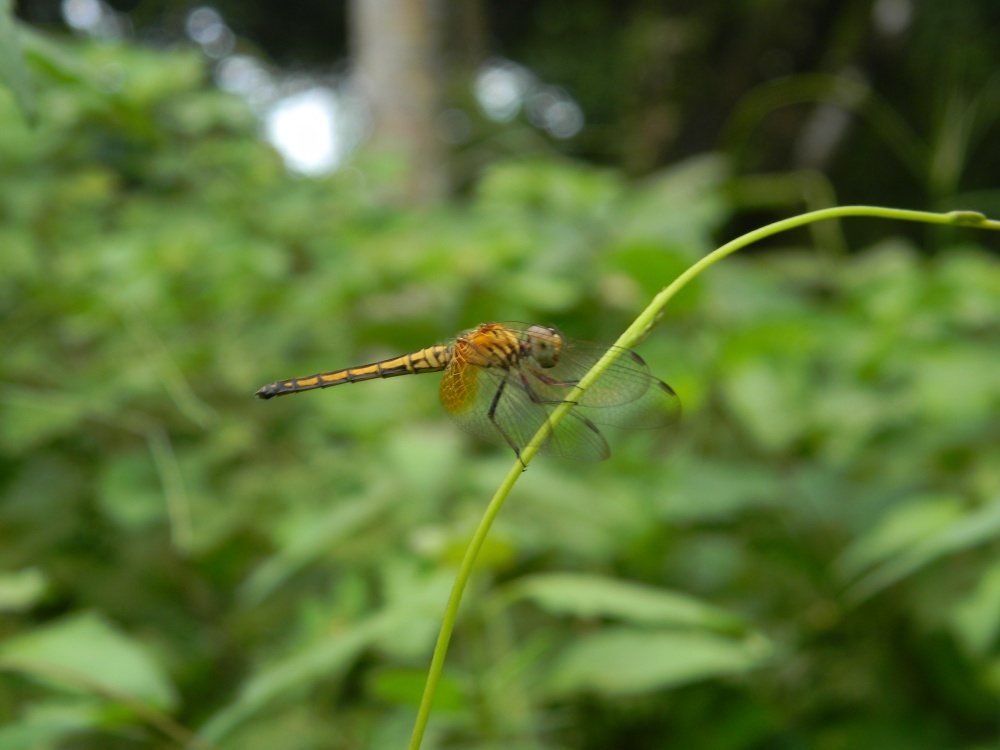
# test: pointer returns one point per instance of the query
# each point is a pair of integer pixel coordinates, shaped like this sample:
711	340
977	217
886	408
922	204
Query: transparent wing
626	395
501	407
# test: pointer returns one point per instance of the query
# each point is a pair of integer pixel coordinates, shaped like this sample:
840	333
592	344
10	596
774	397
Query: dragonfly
502	381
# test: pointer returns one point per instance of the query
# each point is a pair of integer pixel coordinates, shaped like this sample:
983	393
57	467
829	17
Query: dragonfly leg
575	414
551	381
533	394
492	414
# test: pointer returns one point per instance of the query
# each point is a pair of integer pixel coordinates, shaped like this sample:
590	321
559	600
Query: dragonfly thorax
544	345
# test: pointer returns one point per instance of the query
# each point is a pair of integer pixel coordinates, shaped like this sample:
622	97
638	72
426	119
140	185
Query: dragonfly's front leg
547	381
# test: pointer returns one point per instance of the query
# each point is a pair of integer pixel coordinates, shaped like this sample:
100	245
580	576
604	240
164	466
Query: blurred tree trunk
397	47
466	39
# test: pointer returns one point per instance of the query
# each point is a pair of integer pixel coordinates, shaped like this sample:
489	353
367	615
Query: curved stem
632	336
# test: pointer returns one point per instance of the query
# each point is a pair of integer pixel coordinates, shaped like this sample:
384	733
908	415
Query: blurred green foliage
808	560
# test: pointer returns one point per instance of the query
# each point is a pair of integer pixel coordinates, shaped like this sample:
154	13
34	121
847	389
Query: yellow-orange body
489	345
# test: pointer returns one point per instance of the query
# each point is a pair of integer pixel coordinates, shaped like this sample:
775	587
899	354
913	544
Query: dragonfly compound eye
546	345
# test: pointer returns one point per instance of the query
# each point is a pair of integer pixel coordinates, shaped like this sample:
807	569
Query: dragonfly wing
626	395
658	406
495	405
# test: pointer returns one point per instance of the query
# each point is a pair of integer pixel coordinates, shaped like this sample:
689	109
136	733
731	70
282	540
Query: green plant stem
632	336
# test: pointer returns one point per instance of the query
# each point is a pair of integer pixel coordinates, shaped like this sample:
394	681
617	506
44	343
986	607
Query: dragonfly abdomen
431	359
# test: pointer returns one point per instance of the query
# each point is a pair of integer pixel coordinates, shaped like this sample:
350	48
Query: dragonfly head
545	344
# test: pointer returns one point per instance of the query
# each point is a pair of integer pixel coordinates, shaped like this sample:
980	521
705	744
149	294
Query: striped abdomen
431	359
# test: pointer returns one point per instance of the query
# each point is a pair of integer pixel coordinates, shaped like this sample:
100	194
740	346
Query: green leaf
628	662
324	659
682	204
45	724
976	619
715	489
642	267
595	596
969	531
555	188
904	527
306	537
131	492
958	383
12	69
29	421
768	396
86	653
21	590
329	657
